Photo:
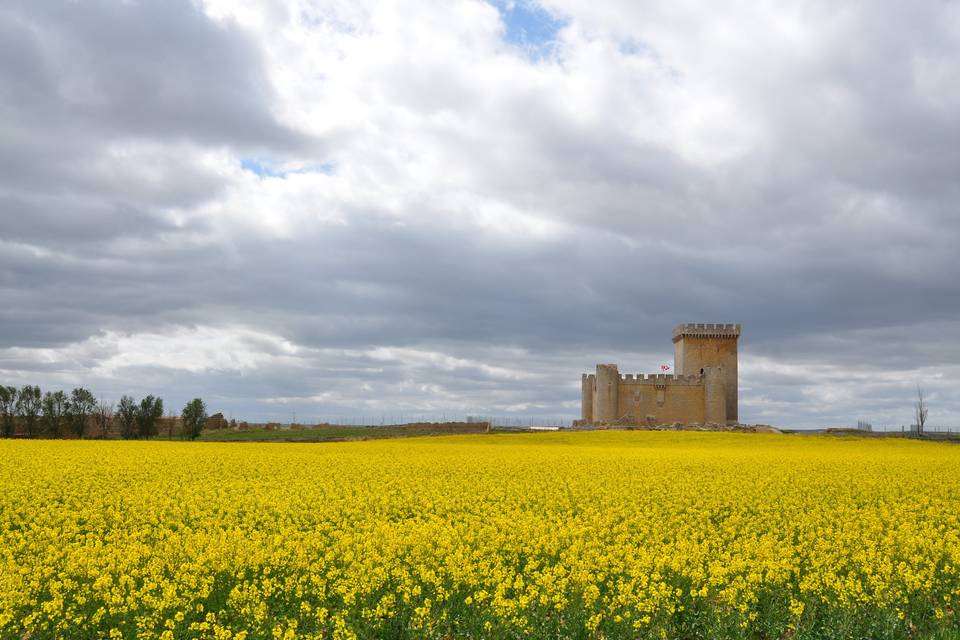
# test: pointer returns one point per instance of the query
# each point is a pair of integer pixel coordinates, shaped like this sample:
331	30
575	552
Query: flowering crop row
579	535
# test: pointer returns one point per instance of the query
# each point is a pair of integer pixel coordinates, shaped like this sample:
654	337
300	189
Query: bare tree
920	411
54	407
103	416
29	404
8	410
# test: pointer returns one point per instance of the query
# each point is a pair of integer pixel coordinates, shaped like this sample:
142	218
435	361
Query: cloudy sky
447	207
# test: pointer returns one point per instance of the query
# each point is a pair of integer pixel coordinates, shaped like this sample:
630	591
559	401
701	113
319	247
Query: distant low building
703	391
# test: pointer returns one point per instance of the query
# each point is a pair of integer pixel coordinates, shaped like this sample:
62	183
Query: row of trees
50	413
55	413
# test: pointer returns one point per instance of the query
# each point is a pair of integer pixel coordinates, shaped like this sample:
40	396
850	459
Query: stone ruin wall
166	426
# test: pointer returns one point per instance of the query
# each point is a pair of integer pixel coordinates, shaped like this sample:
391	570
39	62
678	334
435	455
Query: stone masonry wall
661	400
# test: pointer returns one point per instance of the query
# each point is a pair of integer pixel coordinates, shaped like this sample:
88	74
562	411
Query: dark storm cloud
147	69
104	105
479	243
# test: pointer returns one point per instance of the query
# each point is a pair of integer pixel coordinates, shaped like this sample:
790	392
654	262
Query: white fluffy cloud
359	207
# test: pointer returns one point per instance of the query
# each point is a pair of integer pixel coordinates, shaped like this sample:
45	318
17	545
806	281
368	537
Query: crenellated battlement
660	378
703	388
706	330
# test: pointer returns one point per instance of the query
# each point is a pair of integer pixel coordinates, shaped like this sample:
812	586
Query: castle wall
662	400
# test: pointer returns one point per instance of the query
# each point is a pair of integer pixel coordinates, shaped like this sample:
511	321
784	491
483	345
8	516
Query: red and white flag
664	367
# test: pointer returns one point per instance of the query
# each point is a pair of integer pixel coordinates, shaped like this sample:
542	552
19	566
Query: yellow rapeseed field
579	535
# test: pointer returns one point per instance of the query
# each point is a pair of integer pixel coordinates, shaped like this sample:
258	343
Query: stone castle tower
703	390
698	346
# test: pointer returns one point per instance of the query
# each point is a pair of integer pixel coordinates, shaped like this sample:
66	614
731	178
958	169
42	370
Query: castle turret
701	346
606	394
587	384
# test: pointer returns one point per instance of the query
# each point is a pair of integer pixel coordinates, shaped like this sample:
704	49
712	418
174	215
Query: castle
703	391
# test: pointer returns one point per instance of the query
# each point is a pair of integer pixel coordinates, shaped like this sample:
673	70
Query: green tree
54	408
127	412
194	418
151	409
81	406
29	405
8	410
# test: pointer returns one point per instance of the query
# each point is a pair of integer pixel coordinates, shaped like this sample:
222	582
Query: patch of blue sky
266	169
632	47
321	19
529	26
640	49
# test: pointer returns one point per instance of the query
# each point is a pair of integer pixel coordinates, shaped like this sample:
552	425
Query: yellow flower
619	531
